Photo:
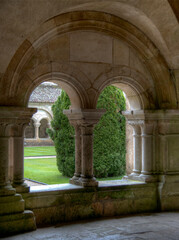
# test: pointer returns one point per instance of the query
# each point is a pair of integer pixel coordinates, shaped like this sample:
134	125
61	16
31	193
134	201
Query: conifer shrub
109	135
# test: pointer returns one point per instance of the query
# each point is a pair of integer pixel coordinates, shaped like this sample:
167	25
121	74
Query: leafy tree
109	135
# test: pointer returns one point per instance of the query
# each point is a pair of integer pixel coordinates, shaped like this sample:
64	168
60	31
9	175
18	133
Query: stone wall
55	206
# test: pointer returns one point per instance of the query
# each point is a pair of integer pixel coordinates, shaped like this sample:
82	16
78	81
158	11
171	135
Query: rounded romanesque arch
36	58
138	89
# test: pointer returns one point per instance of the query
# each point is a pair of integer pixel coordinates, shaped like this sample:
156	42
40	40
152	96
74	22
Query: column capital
37	124
84	117
14	119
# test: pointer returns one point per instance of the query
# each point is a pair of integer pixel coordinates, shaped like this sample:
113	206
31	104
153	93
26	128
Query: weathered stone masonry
84	47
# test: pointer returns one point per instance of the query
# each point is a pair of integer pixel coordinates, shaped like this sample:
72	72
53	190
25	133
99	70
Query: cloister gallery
84	46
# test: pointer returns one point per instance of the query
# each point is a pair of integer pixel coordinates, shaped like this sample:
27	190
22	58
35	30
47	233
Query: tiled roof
46	92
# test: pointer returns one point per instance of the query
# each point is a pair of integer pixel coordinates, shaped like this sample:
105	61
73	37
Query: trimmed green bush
109	135
62	133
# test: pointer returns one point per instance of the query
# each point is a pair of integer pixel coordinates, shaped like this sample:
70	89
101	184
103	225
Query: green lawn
45	169
39	151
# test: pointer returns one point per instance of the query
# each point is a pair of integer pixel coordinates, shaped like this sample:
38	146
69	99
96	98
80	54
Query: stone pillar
137	149
5	186
36	125
87	178
17	133
18	157
144	126
84	121
77	174
13	216
147	151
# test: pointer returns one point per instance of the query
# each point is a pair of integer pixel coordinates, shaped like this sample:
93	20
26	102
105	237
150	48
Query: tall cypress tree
109	135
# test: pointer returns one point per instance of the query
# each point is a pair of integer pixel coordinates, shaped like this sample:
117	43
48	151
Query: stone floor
156	226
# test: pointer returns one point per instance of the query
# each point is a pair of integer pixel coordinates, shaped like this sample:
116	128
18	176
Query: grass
39	151
45	169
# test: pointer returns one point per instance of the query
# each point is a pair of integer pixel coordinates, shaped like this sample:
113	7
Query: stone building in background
42	98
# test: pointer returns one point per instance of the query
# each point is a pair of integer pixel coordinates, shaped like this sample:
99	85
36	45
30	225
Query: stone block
59	49
49	215
78	211
90	47
115	207
11	204
120	53
17	223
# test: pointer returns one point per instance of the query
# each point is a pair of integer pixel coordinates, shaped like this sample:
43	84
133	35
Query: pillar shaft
87	151
18	157
84	121
137	149
4	149
77	174
147	148
77	151
37	125
5	186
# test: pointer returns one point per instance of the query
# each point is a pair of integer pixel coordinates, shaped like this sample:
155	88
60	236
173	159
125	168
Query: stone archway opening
134	101
41	167
110	135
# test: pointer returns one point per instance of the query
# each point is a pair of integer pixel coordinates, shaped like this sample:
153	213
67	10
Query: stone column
48	126
87	178
17	134
77	174
5	186
84	121
13	216
18	158
147	151
36	125
137	149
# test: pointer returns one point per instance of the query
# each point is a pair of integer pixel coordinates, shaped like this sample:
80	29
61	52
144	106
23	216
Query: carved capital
148	127
84	117
13	120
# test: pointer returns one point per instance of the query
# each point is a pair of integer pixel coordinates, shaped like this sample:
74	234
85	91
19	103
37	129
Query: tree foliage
109	135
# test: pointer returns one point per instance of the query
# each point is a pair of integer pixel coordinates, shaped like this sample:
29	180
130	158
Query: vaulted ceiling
158	19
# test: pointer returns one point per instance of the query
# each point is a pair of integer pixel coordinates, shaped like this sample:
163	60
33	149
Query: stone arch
69	83
38	117
95	21
140	93
109	24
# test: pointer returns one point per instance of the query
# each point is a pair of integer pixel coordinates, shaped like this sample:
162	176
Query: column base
7	190
88	182
142	177
133	176
75	180
148	178
17	223
11	204
21	188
